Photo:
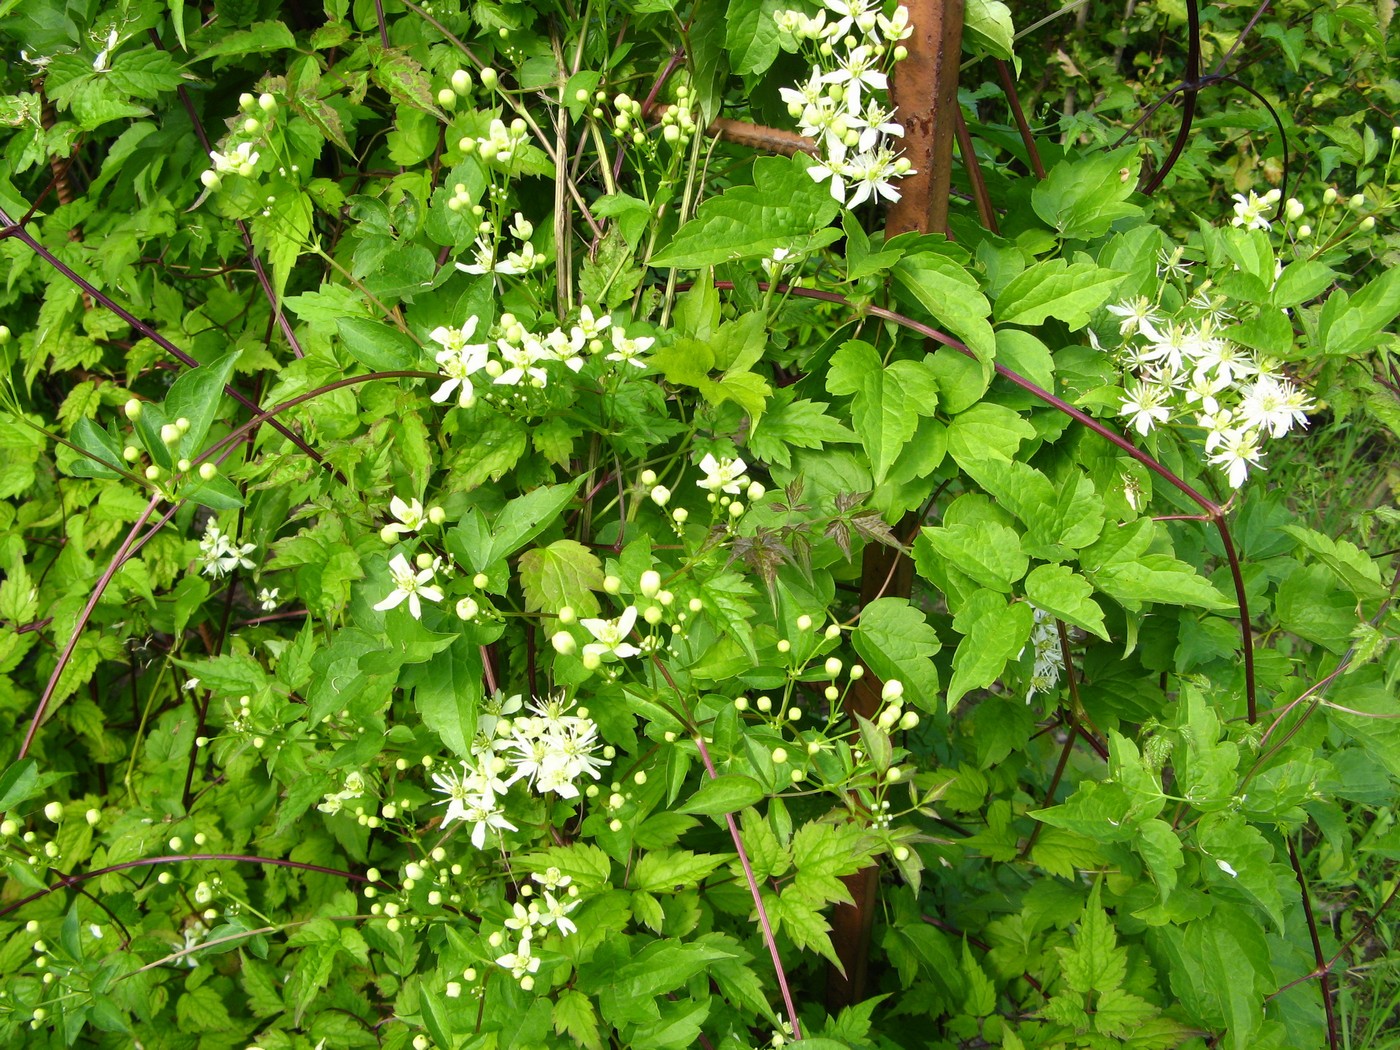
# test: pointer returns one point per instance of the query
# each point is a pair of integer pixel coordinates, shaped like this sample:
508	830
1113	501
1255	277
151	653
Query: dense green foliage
438	481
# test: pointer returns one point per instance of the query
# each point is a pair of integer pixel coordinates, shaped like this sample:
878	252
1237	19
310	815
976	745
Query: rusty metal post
925	90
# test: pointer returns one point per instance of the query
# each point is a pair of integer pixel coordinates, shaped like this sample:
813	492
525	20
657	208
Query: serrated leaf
1068	292
563	573
953	297
726	793
670	871
887	401
994	633
987	551
784	208
378	346
895	641
1064	594
1083	197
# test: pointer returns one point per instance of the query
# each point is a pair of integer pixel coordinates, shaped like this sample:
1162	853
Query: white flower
410	584
268	599
590	327
241	160
1274	405
1137	315
521	228
521	961
554	914
483	258
611	635
219	554
861	13
858	69
1249	211
565	347
833	167
458	360
523	361
627	350
721	475
552	878
873	174
874	123
410	518
1238	451
1145	407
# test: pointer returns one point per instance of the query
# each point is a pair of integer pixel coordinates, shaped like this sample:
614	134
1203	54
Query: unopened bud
132	409
650	583
461	81
564	643
266	102
489	80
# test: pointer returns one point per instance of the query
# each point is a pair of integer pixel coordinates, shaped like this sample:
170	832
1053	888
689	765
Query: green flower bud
132	409
489	80
208	471
461	81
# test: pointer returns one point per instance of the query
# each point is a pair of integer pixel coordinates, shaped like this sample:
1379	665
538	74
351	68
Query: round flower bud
567	614
1368	224
901	853
660	495
650	583
780	755
92	816
741	703
252	125
614	825
648	477
468	609
639	777
489	79
1357	201
665	597
755	491
209	179
833	632
461	81
1293	209
784	645
1329	195
266	102
170	433
831	693
389	534
1395	133
424	560
4	334
54	811
132	408
564	643
131	453
892	690
208	471
909	720
679	515
764	704
592	661
894	774
832	666
8	828
1304	232
804	622
612	584
183	465
177	843
652	614
447	98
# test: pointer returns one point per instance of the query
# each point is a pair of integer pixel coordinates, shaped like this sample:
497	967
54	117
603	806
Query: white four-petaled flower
414	585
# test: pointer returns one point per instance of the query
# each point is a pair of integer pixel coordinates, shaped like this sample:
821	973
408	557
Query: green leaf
1353	567
987	431
1084	196
888	400
195	396
260	38
1068	292
1160	847
525	517
405	81
378	346
953	297
1064	594
987	29
895	641
789	424
784	208
1357	326
1301	281
563	573
987	551
861	259
1158	578
574	1016
449	693
751	35
103	448
670	871
994	633
726	793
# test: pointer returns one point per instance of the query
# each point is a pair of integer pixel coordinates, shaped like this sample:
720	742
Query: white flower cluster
844	103
1049	657
549	748
553	911
1185	368
516	356
516	263
354	787
220	555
